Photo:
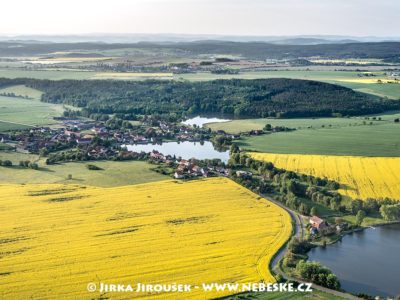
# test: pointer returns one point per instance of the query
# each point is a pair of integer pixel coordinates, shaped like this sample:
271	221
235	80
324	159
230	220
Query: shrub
318	274
93	167
6	163
298	246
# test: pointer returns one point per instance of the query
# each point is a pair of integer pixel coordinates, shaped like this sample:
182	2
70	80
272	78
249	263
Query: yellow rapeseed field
360	177
369	80
55	239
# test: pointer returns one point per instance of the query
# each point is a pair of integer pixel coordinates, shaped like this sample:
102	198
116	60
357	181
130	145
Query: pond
200	121
186	150
366	261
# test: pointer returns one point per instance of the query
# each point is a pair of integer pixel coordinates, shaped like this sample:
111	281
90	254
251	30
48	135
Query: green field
113	173
391	91
5	126
46	74
20	113
244	125
334	136
364	140
23	91
62	74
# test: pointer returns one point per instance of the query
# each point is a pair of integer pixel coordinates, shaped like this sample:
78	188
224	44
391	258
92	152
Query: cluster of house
38	138
183	132
319	225
35	139
81	132
188	168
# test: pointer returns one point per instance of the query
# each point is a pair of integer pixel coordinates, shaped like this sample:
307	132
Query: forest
281	98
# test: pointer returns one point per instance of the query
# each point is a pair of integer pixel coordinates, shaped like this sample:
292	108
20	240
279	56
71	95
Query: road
298	231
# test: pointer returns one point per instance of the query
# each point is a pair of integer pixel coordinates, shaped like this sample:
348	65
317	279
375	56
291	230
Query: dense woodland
242	98
389	51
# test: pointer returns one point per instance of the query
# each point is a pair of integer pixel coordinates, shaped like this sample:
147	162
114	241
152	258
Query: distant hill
126	38
311	41
251	50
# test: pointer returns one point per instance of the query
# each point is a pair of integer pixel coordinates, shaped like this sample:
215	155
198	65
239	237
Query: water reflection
200	121
186	150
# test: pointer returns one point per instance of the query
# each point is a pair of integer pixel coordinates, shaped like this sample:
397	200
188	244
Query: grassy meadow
22	91
360	177
245	125
332	136
58	238
78	74
112	173
364	140
5	126
20	113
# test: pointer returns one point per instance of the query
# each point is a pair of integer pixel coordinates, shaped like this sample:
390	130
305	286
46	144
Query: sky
227	17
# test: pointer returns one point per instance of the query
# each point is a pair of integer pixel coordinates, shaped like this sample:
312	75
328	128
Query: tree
234	148
332	282
371	206
360	217
33	166
304	209
249	160
298	246
294	187
268	127
390	212
43	152
356	205
317	273
6	163
313	211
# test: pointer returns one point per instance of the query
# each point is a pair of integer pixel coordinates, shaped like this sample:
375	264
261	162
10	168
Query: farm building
317	223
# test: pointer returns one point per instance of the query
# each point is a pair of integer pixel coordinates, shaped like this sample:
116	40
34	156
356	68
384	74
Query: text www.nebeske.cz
205	287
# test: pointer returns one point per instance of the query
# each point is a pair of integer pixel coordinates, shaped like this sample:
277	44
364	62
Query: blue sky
233	17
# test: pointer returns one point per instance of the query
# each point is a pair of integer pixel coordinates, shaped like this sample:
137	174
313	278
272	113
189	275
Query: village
184	169
89	134
87	140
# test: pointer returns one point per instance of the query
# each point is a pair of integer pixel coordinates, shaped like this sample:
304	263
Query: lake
366	261
186	150
200	121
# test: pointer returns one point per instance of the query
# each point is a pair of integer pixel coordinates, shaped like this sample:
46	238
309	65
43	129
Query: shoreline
348	232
